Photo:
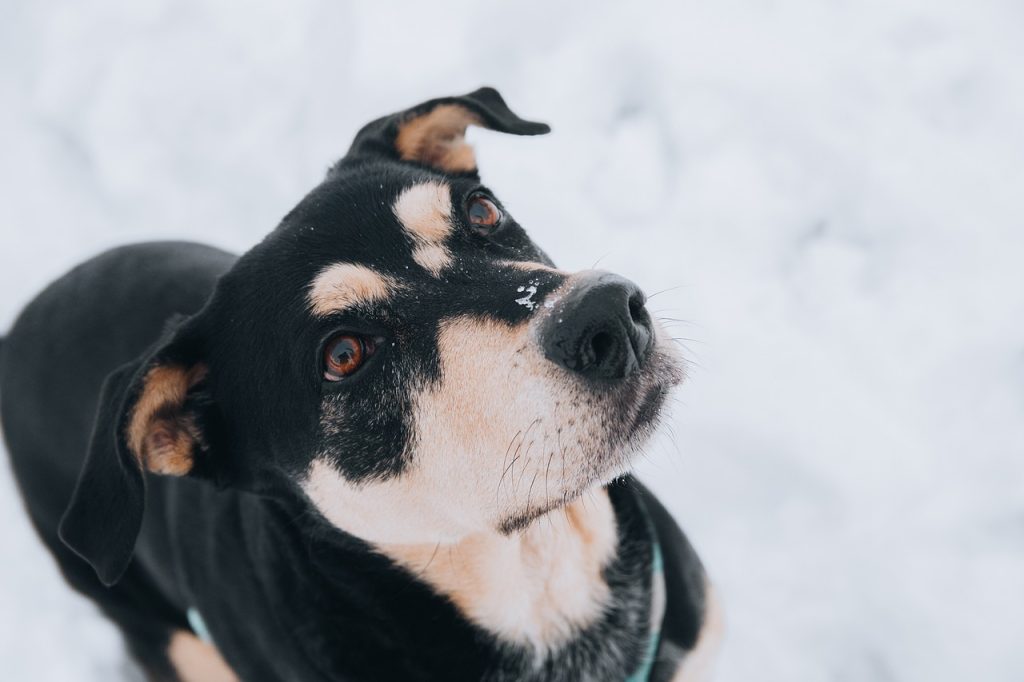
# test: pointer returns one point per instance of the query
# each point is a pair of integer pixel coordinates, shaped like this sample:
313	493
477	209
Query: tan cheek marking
534	587
197	661
448	491
500	435
397	510
698	665
344	285
157	434
469	350
438	139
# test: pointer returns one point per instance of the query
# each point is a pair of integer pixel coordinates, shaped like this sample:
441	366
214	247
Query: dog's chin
623	442
629	436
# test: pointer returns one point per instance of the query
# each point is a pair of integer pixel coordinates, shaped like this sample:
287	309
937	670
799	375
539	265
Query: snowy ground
828	192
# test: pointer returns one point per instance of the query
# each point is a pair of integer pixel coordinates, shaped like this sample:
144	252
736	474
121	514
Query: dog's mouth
639	421
640	408
647	396
640	414
648	410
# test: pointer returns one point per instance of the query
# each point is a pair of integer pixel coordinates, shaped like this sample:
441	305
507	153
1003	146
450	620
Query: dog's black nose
600	329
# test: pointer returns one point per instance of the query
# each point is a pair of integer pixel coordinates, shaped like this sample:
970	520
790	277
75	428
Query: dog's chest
569	598
572	601
536	588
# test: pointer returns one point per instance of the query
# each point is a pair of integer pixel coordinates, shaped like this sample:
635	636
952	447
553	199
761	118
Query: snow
827	194
527	299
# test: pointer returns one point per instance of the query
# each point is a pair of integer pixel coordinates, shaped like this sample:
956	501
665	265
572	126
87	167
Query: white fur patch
343	285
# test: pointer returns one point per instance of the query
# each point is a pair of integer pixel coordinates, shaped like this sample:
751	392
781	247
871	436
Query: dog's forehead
380	216
369	237
386	221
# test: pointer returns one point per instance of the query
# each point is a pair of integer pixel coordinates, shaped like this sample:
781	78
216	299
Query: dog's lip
648	409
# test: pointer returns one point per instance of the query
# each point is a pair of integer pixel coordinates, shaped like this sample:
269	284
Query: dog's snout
602	329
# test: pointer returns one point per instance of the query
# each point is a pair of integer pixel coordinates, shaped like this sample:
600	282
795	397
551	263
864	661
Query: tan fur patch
425	211
432	258
524	437
197	661
534	586
698	665
438	139
343	285
157	434
396	510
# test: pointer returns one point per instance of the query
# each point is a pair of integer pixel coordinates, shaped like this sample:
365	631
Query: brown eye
483	212
344	354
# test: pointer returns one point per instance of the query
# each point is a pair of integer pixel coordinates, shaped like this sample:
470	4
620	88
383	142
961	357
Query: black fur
286	595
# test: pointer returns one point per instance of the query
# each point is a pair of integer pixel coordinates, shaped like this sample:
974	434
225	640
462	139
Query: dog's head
398	351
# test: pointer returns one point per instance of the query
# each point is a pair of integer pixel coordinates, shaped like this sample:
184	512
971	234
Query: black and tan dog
390	442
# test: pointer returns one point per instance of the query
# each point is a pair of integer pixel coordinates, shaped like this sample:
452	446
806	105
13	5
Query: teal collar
643	672
198	625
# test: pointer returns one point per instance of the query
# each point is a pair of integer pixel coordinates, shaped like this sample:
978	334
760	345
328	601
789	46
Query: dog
390	442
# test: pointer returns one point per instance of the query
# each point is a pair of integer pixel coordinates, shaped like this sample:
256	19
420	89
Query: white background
829	192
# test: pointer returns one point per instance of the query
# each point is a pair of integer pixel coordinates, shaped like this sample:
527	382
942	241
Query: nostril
637	311
602	345
641	336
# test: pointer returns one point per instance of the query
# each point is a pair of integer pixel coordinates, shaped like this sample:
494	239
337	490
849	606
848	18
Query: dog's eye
483	213
344	354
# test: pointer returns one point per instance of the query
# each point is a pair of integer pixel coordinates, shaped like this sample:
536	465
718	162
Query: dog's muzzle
600	329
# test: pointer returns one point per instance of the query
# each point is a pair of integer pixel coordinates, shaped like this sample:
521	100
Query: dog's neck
536	586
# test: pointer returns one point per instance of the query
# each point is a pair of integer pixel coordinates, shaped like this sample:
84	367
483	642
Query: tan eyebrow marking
425	211
344	285
432	258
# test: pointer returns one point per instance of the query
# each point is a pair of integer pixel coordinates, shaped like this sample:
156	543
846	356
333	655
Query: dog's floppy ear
151	417
434	133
